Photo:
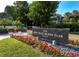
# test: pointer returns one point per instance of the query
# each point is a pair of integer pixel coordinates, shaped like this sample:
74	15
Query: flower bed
45	47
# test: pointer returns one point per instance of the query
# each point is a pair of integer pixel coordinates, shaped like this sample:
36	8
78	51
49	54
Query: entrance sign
60	35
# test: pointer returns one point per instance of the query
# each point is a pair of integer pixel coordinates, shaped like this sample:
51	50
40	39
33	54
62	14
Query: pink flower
60	51
66	53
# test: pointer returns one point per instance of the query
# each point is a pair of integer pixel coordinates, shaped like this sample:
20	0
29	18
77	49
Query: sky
64	6
68	6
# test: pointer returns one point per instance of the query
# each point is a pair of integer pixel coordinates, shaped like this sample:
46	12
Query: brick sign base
50	34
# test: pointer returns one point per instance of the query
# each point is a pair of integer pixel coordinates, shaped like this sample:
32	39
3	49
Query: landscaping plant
46	48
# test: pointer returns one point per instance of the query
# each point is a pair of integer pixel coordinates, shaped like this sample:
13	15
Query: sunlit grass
13	47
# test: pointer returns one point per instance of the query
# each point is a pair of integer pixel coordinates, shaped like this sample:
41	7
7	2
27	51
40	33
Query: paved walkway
4	36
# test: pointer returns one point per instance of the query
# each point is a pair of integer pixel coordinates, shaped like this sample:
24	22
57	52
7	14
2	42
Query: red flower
77	55
49	48
31	40
43	46
54	49
19	37
72	54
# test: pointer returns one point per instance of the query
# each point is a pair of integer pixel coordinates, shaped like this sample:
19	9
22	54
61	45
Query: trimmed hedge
73	26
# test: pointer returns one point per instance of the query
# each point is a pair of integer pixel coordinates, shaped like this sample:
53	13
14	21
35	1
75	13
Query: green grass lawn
12	47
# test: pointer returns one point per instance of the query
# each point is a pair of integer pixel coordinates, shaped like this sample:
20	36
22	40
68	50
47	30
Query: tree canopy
41	11
18	11
72	16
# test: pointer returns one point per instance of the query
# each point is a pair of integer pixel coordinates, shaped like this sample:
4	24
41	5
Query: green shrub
3	31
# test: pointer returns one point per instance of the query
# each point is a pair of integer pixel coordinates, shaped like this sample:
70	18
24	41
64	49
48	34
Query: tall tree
67	14
40	11
75	14
18	11
67	17
10	10
21	10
